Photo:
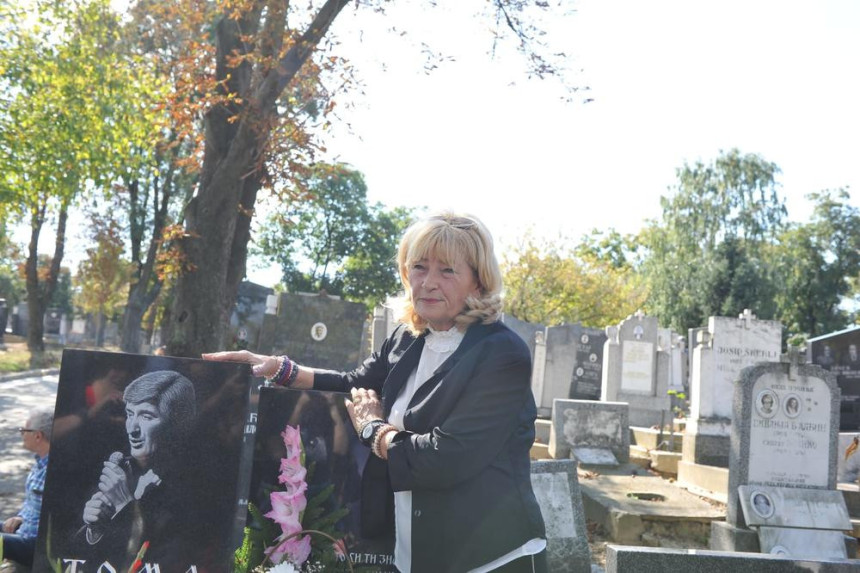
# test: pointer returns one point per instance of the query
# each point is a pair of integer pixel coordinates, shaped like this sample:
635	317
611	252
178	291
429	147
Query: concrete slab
620	499
708	481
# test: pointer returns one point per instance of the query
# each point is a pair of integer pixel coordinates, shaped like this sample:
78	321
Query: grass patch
16	358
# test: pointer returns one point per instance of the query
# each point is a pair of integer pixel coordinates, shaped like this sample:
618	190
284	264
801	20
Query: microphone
121	460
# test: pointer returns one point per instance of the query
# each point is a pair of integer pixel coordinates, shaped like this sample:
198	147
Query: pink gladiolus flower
292	471
286	510
296	550
295	489
293	441
339	548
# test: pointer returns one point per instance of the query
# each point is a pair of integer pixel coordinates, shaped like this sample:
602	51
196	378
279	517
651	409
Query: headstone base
621	559
594	456
705	449
726	537
707	480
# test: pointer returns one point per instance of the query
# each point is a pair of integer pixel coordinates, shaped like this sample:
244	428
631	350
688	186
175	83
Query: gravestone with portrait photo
318	330
587	376
726	347
312	430
146	464
636	370
782	469
567	360
839	352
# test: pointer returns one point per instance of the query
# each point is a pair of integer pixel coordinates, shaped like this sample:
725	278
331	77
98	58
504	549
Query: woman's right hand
261	365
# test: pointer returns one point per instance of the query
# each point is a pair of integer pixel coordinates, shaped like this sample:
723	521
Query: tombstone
636	371
3	319
334	461
318	330
183	468
246	320
525	330
622	559
722	351
558	364
382	327
566	361
51	321
588	429
588	367
557	491
539	375
78	331
839	352
21	319
782	467
677	362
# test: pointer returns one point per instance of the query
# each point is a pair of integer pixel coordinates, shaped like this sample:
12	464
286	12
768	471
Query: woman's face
439	290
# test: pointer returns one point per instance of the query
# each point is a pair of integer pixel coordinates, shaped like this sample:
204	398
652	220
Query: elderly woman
447	409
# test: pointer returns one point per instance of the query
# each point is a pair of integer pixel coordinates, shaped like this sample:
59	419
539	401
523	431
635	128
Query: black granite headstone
333	458
246	321
839	353
148	450
588	370
316	330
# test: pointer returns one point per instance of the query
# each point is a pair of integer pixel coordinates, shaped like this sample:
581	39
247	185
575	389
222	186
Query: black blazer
464	454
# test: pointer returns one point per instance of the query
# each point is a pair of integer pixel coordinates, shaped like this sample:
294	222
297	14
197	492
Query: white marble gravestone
727	346
782	466
636	370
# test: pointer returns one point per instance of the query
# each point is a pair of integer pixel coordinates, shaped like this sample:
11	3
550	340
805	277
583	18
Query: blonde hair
452	238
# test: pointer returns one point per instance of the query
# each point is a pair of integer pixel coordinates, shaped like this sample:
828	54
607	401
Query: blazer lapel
473	335
400	373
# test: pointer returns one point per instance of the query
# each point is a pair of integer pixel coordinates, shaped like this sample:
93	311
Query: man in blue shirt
20	531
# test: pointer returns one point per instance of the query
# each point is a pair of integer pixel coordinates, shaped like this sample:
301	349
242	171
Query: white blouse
438	347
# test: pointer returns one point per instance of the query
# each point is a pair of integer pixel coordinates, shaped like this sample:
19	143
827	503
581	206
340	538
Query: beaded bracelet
376	446
294	373
284	370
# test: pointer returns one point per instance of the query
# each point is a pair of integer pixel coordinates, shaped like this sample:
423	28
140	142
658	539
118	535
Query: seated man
20	531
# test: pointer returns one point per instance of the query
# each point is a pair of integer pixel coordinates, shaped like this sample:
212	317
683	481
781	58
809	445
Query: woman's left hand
364	407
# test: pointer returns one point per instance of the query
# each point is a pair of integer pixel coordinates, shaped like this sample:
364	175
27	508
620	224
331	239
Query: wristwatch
368	430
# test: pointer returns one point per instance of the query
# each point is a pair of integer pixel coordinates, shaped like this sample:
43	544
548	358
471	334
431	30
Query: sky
669	82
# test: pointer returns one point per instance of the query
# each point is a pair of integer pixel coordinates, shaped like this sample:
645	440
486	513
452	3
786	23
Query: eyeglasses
25	430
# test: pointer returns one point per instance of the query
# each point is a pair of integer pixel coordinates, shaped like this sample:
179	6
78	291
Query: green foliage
102	278
817	264
332	239
370	274
707	255
550	283
257	537
76	107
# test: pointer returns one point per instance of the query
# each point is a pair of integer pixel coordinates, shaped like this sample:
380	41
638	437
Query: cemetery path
18	395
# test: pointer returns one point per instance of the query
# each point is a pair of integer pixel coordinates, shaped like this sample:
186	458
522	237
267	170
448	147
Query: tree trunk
218	219
101	319
39	294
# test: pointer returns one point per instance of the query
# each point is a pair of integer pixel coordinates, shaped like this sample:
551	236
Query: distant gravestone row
839	353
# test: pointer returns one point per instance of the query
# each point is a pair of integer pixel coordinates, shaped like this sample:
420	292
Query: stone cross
639	314
746	318
794	357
